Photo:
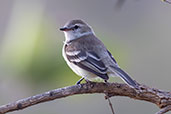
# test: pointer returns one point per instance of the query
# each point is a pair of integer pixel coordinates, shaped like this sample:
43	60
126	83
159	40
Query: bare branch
161	98
164	110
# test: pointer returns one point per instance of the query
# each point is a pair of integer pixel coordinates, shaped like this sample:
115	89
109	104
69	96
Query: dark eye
76	27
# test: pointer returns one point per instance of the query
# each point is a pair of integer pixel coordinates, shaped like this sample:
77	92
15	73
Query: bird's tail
125	77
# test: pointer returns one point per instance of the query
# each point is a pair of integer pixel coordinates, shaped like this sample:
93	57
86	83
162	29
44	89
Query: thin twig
107	96
111	106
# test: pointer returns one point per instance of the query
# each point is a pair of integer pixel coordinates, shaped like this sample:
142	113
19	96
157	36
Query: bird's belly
79	71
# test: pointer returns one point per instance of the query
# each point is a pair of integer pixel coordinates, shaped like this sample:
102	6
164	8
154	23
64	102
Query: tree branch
164	110
161	98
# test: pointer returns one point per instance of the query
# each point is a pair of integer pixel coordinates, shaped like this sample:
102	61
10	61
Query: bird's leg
79	81
87	81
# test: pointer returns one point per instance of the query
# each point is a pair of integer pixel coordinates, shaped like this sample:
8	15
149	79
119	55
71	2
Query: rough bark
161	98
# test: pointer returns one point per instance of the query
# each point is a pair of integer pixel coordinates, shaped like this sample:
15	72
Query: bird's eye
76	27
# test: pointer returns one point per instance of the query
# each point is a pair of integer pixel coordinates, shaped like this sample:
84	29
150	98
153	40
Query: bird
87	56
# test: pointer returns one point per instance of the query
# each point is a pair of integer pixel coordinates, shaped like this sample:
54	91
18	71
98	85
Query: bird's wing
110	55
88	60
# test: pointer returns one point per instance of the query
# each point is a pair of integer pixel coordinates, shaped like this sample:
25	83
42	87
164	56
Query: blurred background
137	33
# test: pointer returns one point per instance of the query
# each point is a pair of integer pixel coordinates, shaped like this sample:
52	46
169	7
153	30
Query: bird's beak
65	29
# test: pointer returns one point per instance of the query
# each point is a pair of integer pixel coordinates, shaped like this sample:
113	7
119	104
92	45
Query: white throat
69	36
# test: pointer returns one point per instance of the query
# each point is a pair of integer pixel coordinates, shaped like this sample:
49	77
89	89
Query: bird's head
75	29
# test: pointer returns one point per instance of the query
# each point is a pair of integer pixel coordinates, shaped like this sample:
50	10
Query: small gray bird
87	56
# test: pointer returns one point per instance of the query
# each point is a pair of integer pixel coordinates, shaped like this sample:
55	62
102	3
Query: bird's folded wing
89	61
